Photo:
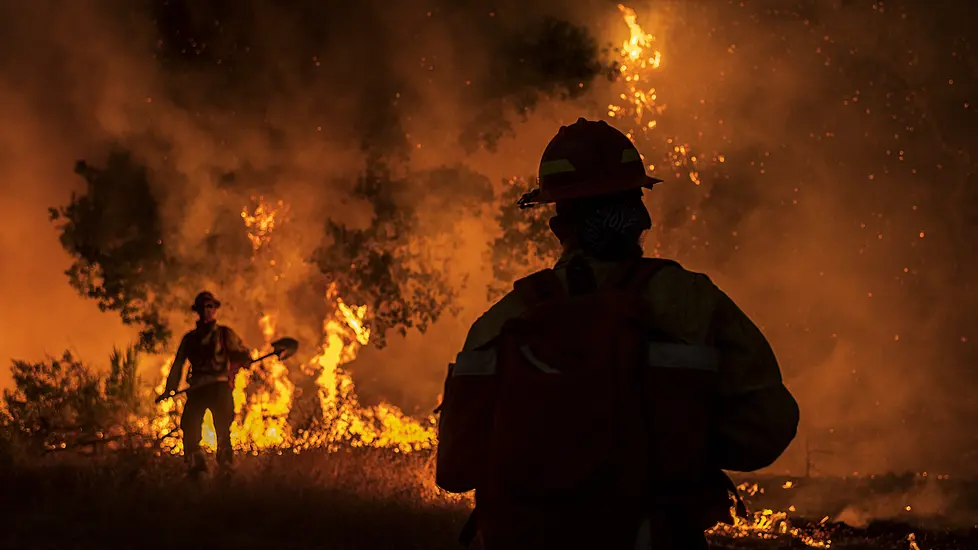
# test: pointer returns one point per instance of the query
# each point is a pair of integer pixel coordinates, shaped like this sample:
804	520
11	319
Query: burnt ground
375	499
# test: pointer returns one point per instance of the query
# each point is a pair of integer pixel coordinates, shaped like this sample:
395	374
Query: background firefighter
657	342
215	353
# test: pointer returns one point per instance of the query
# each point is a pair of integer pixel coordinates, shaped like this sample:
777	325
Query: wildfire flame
263	399
344	420
638	60
768	524
264	394
637	57
261	222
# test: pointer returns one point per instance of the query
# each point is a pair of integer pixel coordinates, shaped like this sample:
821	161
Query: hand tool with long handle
283	348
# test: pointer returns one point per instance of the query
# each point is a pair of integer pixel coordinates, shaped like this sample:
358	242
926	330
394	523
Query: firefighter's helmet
587	159
204	298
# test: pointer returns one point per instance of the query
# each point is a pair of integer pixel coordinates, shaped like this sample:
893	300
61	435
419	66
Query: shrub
62	403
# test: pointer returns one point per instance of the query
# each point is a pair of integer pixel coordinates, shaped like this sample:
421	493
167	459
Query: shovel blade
285	347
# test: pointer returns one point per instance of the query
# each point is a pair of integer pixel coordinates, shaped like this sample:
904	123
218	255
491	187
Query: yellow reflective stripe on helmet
630	155
556	167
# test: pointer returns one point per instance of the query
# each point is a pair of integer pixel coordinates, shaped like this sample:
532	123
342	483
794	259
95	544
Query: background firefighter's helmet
586	159
205	297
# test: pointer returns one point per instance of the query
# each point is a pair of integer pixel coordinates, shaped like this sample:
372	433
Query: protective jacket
757	416
214	352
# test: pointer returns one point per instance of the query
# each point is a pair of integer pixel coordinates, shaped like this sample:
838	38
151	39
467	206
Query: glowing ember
768	524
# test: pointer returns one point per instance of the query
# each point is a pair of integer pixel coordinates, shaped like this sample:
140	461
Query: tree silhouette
400	275
113	233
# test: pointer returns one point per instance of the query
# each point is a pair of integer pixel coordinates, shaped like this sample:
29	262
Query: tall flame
263	400
344	420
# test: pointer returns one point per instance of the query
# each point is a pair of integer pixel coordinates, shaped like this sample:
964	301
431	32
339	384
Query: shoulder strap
539	287
637	275
224	339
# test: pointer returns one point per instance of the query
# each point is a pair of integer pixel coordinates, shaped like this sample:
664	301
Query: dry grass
357	499
353	500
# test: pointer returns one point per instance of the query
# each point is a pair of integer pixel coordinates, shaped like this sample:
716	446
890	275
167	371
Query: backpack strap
580	277
637	275
539	287
224	344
